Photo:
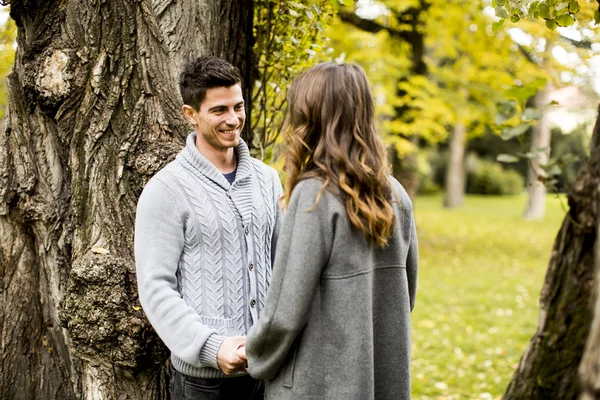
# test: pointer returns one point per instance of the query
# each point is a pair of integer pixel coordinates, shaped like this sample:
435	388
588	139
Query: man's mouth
229	131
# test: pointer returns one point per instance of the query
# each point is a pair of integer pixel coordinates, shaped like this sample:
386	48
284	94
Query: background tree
452	68
404	24
562	360
471	65
539	46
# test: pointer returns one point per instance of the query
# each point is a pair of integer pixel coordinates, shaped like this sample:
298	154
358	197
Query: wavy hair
330	135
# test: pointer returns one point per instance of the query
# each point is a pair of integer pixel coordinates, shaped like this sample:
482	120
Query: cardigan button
251	267
252	303
246	230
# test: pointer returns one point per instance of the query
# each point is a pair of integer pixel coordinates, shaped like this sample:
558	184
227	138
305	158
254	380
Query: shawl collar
240	191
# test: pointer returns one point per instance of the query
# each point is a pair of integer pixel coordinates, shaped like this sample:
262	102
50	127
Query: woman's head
330	134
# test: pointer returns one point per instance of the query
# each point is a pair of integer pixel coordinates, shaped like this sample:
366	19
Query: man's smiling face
220	119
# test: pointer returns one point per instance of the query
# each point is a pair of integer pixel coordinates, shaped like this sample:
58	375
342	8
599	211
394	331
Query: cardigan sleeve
303	249
159	241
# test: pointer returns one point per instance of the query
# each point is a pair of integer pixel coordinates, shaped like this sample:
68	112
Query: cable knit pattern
195	238
262	221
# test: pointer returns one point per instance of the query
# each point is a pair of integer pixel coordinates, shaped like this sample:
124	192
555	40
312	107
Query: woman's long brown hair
330	135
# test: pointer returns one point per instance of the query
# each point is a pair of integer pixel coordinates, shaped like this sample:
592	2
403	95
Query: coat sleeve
304	246
277	193
412	262
159	241
409	232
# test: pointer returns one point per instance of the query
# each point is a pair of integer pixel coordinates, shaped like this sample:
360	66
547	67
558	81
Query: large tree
94	111
561	361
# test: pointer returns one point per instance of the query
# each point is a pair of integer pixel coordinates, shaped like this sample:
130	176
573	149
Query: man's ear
189	113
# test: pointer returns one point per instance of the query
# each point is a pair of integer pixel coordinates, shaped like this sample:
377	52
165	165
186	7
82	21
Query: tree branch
369	25
527	54
580	44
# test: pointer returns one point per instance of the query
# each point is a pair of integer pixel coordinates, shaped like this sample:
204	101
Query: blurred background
487	123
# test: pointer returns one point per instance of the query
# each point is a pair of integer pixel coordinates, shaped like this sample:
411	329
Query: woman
336	323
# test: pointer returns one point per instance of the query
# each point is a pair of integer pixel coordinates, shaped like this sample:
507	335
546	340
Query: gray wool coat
336	323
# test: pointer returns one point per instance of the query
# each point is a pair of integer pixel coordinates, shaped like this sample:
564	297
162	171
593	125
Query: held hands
228	359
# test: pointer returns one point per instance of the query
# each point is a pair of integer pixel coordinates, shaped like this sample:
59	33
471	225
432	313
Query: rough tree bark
454	194
549	366
540	146
94	111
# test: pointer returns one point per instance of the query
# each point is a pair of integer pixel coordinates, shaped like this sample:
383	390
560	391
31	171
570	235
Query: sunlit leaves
552	25
514	131
524	92
564	20
555	12
8	34
506	110
501	12
507	158
289	37
401	145
473	61
513	118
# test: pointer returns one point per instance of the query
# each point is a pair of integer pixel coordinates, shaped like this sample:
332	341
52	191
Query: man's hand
227	357
241	352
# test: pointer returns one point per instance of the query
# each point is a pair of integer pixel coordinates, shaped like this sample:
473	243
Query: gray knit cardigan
337	320
203	252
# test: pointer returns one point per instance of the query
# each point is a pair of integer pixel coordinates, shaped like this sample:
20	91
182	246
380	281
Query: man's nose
231	118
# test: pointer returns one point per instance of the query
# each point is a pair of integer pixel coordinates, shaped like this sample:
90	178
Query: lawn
480	274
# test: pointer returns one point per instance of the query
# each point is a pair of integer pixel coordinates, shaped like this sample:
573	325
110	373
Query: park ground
481	270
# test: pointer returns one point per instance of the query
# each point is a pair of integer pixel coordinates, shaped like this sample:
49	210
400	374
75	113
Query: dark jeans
241	388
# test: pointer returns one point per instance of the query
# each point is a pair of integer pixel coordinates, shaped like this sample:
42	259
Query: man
206	228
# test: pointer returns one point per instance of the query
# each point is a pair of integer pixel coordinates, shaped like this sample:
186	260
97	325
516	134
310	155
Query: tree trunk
589	369
94	112
455	173
549	367
540	146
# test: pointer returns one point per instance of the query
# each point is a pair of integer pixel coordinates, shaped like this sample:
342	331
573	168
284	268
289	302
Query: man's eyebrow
222	106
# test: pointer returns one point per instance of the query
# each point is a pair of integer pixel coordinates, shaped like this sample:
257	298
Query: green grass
480	273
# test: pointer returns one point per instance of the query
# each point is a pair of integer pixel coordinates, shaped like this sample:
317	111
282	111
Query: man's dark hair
205	72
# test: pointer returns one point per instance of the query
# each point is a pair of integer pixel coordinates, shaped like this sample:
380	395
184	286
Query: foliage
485	177
514	117
470	63
468	334
288	39
556	13
468	68
572	147
8	34
385	61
